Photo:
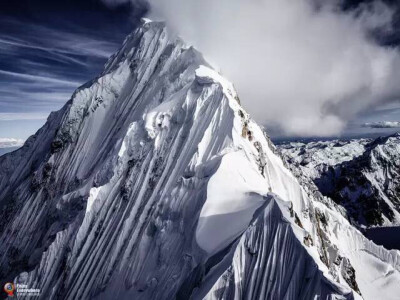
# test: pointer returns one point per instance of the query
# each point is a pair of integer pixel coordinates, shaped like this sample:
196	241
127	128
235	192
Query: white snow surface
234	192
154	183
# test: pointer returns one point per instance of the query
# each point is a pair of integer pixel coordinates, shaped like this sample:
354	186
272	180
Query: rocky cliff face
361	175
154	183
315	158
369	186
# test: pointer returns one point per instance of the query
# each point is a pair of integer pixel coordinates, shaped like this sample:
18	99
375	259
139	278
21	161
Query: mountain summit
153	182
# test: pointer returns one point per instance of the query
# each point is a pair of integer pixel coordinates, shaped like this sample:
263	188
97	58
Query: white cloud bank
307	70
10	142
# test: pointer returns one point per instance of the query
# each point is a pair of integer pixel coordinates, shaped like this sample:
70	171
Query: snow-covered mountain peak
154	183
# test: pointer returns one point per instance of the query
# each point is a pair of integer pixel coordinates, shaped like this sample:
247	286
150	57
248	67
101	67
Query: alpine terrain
153	182
361	175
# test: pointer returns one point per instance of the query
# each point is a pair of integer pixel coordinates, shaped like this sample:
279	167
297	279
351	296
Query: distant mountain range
7	150
361	175
9	145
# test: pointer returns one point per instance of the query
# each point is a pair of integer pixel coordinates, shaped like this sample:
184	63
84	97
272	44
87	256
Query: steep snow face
234	192
260	260
154	183
45	185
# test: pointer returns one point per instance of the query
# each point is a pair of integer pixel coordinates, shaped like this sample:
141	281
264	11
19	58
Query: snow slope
154	183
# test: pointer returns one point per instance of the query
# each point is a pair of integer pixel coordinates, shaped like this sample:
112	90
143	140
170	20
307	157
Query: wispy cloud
382	124
41	79
41	66
47	50
60	41
36	92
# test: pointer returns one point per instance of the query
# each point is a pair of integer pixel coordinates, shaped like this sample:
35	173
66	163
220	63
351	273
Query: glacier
153	182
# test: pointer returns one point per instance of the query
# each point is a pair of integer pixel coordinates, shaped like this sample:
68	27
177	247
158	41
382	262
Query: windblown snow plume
307	68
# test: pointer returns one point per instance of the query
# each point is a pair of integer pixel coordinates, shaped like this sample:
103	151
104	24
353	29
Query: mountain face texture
153	182
314	158
361	175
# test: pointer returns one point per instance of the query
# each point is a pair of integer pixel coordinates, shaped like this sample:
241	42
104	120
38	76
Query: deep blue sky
50	47
47	49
